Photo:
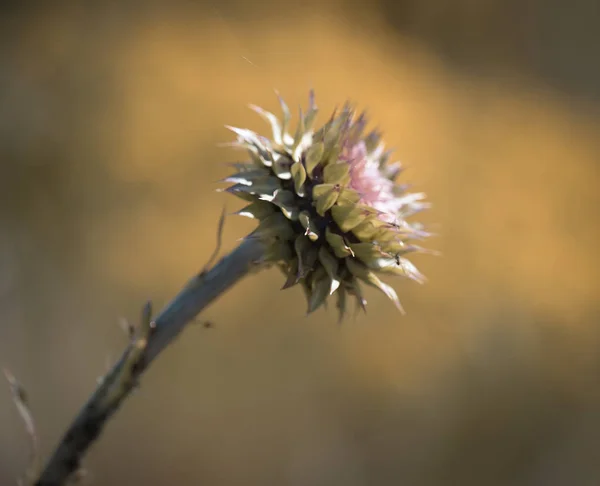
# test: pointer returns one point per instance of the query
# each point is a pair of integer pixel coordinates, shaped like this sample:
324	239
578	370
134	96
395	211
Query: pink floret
366	178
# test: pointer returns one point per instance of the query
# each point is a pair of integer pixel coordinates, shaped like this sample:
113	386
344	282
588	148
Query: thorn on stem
215	253
146	324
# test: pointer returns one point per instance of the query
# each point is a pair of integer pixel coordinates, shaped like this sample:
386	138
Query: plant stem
150	339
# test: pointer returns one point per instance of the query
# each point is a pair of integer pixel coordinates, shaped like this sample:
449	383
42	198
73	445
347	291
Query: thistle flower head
327	204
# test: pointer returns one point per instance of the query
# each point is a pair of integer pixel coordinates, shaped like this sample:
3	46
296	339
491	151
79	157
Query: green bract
327	205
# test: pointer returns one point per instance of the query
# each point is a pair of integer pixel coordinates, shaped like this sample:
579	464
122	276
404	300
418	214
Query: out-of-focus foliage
110	118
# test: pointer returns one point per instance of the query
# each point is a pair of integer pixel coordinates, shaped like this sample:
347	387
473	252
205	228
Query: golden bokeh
109	126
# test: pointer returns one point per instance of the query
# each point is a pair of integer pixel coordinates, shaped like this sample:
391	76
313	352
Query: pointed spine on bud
327	202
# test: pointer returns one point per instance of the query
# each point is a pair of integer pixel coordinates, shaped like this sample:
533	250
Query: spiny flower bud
327	205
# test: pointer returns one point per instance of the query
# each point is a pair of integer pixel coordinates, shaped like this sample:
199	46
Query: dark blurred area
110	116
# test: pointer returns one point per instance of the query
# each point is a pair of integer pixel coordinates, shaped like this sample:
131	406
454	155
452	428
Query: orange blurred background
110	118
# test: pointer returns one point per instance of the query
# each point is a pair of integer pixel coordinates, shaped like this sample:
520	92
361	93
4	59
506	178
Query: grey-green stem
150	339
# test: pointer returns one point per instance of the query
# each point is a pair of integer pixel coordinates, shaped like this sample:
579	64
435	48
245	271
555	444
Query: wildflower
327	205
330	216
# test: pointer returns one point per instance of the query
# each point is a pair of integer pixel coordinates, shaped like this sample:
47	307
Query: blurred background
110	116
